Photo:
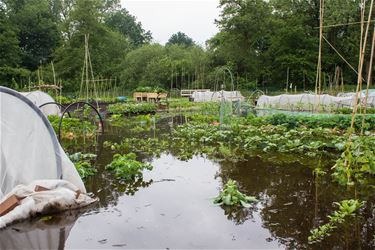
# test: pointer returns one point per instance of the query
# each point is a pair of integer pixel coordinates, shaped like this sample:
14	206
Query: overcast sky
165	17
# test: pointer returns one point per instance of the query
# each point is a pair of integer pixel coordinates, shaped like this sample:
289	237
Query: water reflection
172	205
48	232
292	203
239	215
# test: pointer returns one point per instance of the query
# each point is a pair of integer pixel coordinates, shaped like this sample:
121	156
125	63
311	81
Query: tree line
265	44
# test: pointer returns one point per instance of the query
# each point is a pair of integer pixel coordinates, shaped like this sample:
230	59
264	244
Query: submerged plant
346	209
127	167
231	196
85	169
83	164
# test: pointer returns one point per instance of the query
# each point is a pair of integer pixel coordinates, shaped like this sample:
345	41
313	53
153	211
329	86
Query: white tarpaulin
29	149
39	98
311	101
210	96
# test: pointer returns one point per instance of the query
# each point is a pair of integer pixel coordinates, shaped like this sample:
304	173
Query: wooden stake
368	80
360	66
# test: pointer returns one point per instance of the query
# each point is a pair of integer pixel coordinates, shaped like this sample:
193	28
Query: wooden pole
287	80
360	66
320	45
369	75
318	81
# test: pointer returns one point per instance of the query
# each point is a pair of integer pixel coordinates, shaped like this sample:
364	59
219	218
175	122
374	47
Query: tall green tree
180	38
245	33
10	53
37	30
107	47
126	24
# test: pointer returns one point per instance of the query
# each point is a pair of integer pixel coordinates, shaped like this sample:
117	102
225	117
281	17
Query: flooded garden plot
185	161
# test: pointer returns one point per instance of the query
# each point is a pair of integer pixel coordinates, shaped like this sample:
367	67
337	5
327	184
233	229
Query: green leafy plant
131	108
83	164
126	167
356	162
72	127
346	209
231	196
85	169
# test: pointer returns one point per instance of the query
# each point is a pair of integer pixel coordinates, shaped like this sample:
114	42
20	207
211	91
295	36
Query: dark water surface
172	207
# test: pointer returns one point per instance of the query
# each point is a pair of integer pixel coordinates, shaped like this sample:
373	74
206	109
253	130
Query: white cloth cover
61	196
29	149
310	101
39	98
209	96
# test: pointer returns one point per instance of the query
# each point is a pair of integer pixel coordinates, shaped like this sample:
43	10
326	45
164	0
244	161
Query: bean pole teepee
88	83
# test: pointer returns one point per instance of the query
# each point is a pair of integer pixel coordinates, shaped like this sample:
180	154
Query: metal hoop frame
75	103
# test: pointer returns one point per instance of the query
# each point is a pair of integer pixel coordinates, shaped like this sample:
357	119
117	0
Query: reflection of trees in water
108	189
239	214
130	188
290	206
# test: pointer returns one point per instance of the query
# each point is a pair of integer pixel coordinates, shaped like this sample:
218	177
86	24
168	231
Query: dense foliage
83	163
72	127
262	42
131	108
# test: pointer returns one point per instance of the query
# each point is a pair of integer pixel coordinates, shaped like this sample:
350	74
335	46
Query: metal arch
225	70
254	93
56	103
75	103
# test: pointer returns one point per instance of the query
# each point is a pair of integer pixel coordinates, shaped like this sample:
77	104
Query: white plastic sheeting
39	98
29	149
60	196
311	101
209	96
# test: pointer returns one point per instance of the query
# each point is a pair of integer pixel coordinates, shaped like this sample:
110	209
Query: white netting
311	101
217	96
29	149
39	98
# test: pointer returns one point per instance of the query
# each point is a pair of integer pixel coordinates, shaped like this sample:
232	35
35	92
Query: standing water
172	207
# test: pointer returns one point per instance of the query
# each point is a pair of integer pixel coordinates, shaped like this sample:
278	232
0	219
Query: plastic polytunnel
30	154
39	98
217	96
311	101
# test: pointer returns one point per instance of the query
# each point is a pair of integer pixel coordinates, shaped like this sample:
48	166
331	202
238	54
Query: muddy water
172	207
